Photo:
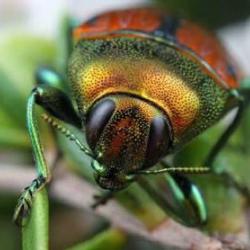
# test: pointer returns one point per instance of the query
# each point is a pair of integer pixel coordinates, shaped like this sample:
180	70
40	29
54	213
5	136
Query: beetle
143	84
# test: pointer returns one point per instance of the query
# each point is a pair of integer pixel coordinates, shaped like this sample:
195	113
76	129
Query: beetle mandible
145	83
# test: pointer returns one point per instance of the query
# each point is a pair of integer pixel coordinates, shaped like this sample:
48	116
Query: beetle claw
23	207
24	204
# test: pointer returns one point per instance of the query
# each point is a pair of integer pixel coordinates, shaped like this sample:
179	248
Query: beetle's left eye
159	141
97	120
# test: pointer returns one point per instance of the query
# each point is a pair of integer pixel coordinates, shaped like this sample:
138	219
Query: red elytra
133	19
180	31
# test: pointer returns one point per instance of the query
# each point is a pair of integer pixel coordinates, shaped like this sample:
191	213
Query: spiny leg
54	101
25	201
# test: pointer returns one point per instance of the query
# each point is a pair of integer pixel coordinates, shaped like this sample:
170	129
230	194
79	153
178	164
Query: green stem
35	235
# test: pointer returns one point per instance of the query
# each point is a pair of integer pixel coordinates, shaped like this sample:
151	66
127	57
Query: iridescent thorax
151	71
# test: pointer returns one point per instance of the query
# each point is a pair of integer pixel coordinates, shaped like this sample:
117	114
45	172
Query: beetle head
126	134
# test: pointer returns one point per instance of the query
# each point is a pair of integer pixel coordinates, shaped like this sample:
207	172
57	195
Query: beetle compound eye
159	140
97	119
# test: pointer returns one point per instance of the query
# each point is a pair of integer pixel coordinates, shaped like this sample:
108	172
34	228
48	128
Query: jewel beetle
141	84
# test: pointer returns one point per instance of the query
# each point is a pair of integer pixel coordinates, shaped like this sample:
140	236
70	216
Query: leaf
35	233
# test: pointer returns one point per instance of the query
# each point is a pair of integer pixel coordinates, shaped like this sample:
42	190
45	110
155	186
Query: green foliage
35	234
20	56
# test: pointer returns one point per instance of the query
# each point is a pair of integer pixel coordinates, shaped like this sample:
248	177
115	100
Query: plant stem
35	235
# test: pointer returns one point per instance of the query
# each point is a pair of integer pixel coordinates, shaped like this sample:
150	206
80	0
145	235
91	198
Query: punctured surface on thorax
152	71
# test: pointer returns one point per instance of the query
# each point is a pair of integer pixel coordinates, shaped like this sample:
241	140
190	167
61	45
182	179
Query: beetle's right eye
159	141
97	119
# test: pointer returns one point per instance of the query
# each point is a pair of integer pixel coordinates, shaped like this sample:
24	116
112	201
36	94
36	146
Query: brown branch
74	191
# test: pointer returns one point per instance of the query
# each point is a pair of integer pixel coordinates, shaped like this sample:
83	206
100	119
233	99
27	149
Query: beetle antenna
67	133
183	170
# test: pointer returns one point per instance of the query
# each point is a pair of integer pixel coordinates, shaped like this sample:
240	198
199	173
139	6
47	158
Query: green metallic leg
25	202
177	196
56	103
